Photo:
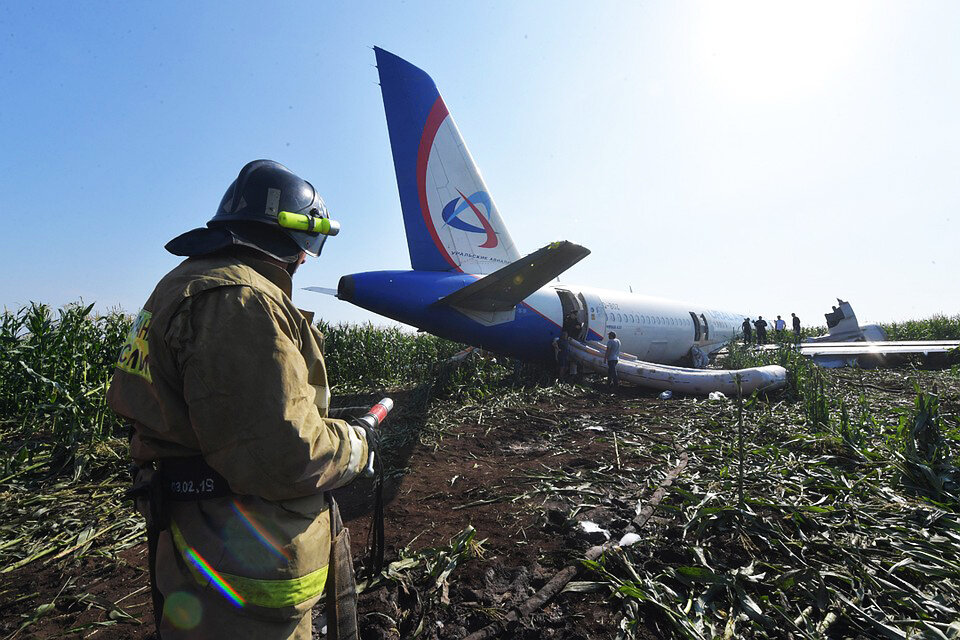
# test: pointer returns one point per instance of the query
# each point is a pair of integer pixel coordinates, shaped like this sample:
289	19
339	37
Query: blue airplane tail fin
450	219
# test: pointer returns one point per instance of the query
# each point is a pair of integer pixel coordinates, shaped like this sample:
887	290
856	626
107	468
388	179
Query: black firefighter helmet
269	208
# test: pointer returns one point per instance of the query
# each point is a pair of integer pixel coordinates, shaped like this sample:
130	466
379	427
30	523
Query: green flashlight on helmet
311	222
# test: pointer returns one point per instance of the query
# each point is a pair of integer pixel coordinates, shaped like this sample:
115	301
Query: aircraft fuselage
653	329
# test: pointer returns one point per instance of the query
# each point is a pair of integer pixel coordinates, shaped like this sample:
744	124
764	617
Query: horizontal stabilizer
323	290
503	289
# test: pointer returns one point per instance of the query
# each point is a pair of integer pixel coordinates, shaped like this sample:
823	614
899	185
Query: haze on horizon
753	156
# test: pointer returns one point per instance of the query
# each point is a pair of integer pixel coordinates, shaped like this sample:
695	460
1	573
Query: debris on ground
849	523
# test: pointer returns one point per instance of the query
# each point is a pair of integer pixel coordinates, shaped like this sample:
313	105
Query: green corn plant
937	327
923	452
365	356
53	378
809	383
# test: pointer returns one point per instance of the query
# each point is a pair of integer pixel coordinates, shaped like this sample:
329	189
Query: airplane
468	281
848	343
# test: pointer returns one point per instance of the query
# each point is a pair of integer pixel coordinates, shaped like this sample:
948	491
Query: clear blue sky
761	156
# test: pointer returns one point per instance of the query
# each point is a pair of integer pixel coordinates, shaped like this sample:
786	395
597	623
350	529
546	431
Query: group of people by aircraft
566	367
760	325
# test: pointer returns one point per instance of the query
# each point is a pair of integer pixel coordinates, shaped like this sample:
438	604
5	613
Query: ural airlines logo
453	209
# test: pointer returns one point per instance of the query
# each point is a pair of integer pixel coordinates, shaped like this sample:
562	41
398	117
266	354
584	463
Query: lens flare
260	532
183	610
224	587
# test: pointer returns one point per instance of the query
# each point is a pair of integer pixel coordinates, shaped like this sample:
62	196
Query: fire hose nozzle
373	419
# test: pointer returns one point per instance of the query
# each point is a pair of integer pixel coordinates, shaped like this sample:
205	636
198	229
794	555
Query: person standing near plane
561	351
796	328
223	382
612	356
747	332
572	325
779	326
761	326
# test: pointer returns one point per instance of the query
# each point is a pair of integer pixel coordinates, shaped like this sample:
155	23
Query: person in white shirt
779	325
612	356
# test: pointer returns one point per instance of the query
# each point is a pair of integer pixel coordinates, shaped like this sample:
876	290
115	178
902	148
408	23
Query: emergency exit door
696	327
574	312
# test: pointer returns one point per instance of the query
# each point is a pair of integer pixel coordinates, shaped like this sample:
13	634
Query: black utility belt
188	479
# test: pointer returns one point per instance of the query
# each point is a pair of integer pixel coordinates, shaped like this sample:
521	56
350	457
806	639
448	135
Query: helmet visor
312	243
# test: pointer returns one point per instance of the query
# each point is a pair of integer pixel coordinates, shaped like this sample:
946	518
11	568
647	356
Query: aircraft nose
345	288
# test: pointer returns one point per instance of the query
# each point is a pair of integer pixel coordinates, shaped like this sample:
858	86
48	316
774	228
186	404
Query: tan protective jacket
220	363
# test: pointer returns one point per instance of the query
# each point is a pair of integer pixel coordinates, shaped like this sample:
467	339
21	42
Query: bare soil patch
485	470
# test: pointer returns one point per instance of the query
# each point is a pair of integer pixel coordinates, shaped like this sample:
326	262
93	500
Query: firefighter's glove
373	443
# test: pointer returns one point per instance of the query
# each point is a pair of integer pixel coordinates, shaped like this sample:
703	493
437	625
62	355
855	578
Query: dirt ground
487	471
527	470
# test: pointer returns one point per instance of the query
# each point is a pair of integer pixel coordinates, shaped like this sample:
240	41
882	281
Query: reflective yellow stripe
135	352
272	594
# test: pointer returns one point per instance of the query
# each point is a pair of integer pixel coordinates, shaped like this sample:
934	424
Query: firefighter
224	384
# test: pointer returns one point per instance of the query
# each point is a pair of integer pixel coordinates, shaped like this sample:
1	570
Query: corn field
849	528
368	357
54	372
938	327
829	509
55	368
